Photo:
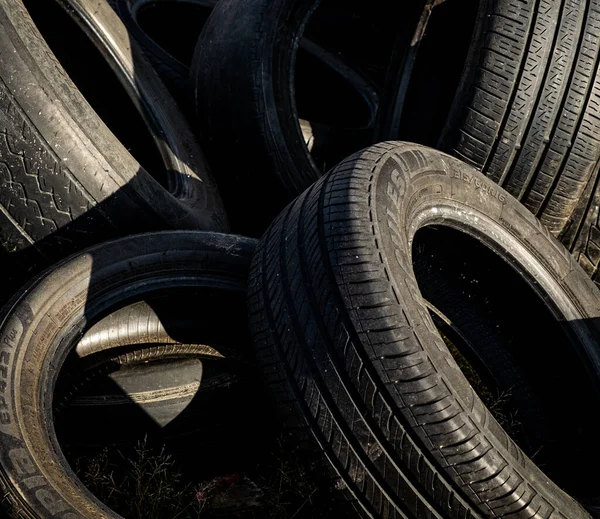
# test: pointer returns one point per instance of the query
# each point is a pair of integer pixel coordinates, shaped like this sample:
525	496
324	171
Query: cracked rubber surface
354	359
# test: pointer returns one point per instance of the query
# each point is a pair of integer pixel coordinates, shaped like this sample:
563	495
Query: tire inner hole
514	353
188	17
108	445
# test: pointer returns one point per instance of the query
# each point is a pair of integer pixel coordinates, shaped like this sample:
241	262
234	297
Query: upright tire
243	79
255	45
44	322
355	361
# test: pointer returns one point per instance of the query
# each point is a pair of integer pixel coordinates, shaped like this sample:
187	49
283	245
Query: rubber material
79	290
402	63
161	391
515	350
137	324
162	379
243	77
295	168
65	181
188	175
175	72
136	336
353	356
526	113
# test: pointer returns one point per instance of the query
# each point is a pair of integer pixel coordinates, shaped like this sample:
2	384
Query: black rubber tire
260	103
353	356
175	72
586	241
104	406
48	317
243	77
424	70
104	394
66	182
140	353
132	336
400	69
526	112
495	327
187	175
164	399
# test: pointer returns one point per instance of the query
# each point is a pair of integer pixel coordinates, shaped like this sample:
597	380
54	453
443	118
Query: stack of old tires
421	304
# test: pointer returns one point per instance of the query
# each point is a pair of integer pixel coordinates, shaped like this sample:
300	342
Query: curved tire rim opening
514	353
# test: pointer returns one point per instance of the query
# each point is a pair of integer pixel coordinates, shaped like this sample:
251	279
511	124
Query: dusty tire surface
354	359
526	113
188	176
77	291
66	182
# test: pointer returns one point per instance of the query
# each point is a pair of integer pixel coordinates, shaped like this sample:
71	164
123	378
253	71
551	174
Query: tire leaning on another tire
350	350
44	321
242	73
250	84
66	182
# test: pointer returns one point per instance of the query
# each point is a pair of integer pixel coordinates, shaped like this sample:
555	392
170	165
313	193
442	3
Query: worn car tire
355	360
254	45
101	396
525	113
185	170
123	347
78	291
175	70
243	76
161	390
66	182
139	324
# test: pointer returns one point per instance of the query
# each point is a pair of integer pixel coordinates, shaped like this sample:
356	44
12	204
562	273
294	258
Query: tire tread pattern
532	122
323	314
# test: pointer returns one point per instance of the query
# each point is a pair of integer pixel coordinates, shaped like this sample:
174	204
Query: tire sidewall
414	186
43	324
